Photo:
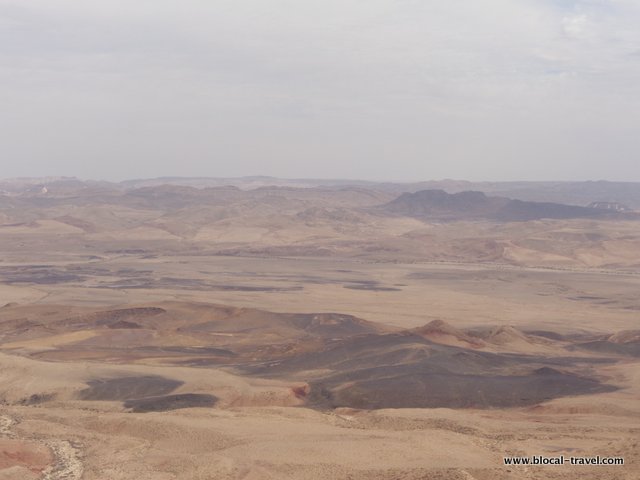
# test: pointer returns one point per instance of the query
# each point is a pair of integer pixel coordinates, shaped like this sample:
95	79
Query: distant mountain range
471	205
612	196
356	221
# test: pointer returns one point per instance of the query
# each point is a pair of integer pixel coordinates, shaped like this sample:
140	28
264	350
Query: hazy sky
371	89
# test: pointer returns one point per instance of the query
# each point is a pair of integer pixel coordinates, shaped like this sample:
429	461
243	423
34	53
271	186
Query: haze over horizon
377	90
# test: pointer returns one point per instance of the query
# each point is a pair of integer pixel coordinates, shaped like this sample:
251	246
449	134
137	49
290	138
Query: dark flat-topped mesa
440	205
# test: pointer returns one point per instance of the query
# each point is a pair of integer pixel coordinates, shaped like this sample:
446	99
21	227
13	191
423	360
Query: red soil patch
301	392
32	456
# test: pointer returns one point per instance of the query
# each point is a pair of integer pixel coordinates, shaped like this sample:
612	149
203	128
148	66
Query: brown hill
171	332
502	335
626	336
438	331
626	343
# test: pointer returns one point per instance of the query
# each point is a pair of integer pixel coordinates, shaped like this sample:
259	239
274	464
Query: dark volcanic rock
434	390
124	325
631	349
125	388
171	402
406	370
110	317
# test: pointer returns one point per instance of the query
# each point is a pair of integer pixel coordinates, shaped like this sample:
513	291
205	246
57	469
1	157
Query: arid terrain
270	329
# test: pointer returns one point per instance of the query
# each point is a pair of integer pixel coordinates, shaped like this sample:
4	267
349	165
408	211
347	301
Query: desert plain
263	329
